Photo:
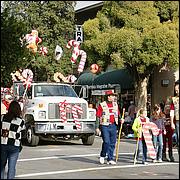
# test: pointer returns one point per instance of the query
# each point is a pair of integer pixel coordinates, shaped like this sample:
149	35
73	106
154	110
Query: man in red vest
107	120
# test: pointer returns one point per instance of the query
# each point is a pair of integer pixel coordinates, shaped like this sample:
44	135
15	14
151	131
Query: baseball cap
110	92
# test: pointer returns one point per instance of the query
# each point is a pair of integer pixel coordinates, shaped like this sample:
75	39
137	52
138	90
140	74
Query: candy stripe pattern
82	61
63	111
75	54
28	77
75	110
148	137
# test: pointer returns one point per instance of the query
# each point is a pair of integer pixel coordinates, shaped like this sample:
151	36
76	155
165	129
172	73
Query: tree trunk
141	94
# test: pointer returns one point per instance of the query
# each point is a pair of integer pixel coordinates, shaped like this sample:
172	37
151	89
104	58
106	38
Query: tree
11	52
167	10
129	34
54	21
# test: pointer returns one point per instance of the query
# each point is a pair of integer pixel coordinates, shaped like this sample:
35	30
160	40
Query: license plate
68	127
50	127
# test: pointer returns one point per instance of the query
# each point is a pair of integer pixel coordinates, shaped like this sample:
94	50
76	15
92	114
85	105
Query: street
73	160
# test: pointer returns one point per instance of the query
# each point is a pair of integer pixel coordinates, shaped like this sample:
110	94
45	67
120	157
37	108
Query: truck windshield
54	90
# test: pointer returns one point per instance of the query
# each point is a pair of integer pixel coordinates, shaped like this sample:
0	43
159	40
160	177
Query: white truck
53	111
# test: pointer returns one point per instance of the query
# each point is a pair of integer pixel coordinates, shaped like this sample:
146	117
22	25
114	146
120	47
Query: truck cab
53	111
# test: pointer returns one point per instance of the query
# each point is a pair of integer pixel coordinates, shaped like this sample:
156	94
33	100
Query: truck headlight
42	114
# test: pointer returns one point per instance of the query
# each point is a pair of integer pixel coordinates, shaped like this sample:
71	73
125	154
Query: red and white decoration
76	52
76	110
94	68
82	61
63	107
43	51
148	137
28	77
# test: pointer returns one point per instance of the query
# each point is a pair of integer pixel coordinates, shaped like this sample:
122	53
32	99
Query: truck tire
32	139
88	139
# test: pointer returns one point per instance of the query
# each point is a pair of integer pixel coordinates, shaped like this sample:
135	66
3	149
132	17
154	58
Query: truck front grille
54	111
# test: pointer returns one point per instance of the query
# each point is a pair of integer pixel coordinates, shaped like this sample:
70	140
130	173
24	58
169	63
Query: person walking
174	112
132	111
106	122
137	126
167	138
158	117
11	127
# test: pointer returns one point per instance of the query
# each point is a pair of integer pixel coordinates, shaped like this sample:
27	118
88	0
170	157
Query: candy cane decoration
76	53
65	108
75	110
63	111
148	137
82	61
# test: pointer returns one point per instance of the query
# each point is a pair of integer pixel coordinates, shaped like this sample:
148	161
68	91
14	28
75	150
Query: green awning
86	78
120	76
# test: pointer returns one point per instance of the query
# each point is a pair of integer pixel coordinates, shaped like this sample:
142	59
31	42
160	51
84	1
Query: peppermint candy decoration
94	68
43	51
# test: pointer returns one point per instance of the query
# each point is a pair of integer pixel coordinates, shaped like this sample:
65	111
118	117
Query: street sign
79	33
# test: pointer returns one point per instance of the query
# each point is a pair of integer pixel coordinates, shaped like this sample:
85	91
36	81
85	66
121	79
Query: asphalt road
73	160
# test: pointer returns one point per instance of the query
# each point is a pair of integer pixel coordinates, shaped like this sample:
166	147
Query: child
169	132
158	117
139	121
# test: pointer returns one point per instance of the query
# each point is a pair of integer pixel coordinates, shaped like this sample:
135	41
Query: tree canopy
137	35
54	21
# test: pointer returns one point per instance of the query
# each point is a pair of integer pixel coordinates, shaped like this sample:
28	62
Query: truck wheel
88	139
32	139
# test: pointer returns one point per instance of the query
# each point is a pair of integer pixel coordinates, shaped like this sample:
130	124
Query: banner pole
119	136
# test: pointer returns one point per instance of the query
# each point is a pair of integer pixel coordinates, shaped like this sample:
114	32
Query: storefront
120	81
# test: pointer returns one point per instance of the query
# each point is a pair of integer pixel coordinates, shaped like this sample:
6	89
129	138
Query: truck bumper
64	128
